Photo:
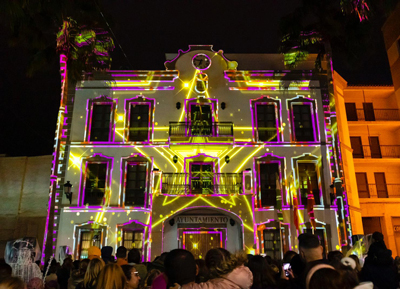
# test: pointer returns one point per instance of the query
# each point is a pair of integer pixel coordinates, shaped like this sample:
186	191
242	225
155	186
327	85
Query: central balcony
201	132
201	184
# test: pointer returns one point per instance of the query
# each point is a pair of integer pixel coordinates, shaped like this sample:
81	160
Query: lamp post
67	191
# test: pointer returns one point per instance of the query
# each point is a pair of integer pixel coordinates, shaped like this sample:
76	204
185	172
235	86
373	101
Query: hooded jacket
240	278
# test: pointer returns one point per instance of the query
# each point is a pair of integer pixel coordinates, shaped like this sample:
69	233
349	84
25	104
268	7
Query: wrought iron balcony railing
379	191
378	152
198	128
375	115
201	183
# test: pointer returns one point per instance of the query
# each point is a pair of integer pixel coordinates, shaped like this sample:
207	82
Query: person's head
134	256
348	274
94	252
83	265
323	276
377	237
5	271
121	252
287	257
262	272
203	274
310	248
357	261
67	264
111	277
76	264
92	272
180	267
132	276
220	262
12	283
106	254
297	264
35	283
334	258
150	277
162	257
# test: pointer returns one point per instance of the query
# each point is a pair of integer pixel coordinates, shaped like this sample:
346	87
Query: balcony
201	184
375	115
377	152
197	132
379	191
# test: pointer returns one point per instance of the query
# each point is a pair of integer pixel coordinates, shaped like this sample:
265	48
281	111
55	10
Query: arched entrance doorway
201	229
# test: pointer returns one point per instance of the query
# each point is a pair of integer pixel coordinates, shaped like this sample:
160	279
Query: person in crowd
94	252
226	271
203	274
121	256
151	276
180	267
132	277
111	277
51	280
358	265
5	271
64	273
323	276
297	265
288	256
262	273
334	258
93	270
77	276
134	259
35	283
158	263
106	254
378	266
12	283
76	265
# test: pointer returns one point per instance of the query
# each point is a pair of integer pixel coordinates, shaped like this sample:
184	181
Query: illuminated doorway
200	242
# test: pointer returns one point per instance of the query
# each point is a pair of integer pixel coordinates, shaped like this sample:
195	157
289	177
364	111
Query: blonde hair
93	270
13	283
111	277
220	262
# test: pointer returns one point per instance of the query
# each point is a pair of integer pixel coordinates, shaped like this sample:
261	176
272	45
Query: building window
303	123
201	178
375	147
272	243
357	147
100	128
139	122
266	117
132	239
201	118
369	113
269	172
380	182
308	176
95	183
135	186
351	111
362	185
89	238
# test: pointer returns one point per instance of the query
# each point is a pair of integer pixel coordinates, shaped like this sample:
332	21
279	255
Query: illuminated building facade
200	155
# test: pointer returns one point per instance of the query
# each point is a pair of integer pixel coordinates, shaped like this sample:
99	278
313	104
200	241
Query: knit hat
94	252
347	261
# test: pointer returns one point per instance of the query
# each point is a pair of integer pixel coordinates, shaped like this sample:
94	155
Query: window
272	243
100	128
201	120
139	122
369	111
89	238
380	182
135	187
375	147
201	82
269	172
362	185
267	129
201	178
351	111
95	183
132	239
303	123
357	147
307	171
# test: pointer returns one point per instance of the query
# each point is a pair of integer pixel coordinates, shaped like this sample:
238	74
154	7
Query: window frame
140	100
312	103
95	159
212	164
101	100
134	230
266	100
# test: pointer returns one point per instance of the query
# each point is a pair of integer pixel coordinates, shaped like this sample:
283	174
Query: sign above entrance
201	220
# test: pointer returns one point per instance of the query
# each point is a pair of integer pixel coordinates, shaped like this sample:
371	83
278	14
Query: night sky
146	31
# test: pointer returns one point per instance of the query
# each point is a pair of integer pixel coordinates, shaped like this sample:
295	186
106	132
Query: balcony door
357	147
369	111
201	117
381	188
201	178
375	147
351	111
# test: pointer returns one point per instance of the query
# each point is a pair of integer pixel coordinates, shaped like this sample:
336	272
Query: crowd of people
178	269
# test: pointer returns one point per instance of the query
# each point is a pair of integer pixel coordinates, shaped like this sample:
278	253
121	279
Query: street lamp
67	191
